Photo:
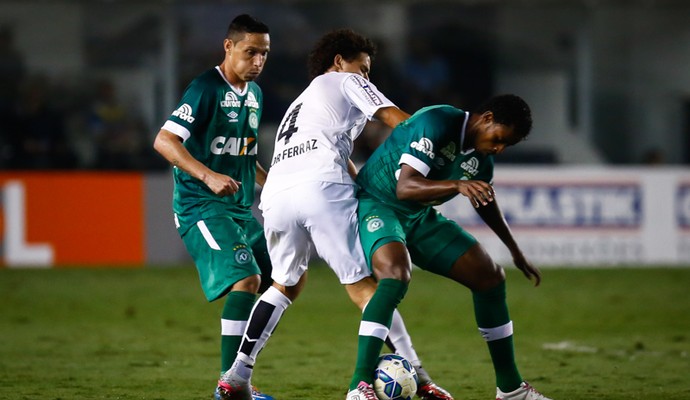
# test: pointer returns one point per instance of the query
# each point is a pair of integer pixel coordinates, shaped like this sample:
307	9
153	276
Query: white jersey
315	138
313	144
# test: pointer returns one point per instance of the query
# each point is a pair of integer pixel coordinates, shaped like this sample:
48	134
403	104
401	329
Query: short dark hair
510	110
243	24
345	42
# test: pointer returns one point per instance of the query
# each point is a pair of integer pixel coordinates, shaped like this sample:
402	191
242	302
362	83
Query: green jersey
430	141
219	126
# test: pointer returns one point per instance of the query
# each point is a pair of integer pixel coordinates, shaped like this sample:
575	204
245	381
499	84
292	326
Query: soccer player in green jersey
211	141
433	156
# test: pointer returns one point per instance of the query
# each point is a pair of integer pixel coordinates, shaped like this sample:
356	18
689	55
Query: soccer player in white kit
308	200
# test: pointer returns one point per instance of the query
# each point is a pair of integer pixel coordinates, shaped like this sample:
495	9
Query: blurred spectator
41	140
375	132
387	75
284	77
653	156
427	73
12	69
12	72
118	137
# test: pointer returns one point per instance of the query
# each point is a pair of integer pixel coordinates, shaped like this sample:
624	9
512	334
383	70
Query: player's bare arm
261	174
391	116
412	185
493	217
352	169
170	146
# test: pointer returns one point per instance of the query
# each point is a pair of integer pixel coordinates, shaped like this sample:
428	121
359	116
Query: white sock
240	369
263	320
401	339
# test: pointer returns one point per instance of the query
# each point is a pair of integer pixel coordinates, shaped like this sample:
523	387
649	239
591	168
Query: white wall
545	92
639	56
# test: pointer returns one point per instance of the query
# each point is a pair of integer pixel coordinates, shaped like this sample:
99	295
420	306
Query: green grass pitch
149	334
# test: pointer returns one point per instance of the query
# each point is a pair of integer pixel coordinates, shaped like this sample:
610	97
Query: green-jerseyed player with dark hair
211	141
438	153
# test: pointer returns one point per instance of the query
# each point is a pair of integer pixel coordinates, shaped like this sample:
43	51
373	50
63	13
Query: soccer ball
395	378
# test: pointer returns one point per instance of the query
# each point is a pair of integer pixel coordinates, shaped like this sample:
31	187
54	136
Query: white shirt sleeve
177	129
364	95
415	163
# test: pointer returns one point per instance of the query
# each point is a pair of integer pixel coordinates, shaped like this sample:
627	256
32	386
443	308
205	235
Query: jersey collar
462	135
234	89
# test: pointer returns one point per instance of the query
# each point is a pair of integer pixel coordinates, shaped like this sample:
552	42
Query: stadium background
603	179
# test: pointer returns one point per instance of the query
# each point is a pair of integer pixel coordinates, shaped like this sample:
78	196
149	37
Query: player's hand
479	192
222	185
529	270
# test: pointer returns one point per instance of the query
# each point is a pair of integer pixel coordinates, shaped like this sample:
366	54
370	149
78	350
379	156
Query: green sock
238	306
379	311
491	311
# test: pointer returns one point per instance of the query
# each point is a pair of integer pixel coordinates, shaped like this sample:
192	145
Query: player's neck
232	78
470	133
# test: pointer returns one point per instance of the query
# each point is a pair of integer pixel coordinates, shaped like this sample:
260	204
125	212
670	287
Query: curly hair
510	110
345	42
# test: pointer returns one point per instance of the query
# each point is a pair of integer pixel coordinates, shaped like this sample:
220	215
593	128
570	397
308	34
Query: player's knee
249	284
291	292
391	270
392	261
491	277
361	291
476	270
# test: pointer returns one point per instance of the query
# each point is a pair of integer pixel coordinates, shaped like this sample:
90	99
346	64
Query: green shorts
225	251
434	241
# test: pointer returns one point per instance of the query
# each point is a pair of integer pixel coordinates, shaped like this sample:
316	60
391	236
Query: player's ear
488	117
227	45
338	62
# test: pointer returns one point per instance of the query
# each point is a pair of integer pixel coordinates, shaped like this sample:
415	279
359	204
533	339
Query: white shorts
308	216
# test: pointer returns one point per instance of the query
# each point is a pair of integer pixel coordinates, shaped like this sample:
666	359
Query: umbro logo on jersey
230	101
425	146
471	166
251	101
184	113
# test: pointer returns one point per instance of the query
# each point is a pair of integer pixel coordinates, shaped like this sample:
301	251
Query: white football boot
524	392
363	391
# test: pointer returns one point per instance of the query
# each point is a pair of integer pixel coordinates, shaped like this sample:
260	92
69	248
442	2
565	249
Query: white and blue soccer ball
395	378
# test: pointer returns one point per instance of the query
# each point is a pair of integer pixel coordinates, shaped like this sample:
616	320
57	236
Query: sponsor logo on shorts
242	255
374	224
425	146
184	113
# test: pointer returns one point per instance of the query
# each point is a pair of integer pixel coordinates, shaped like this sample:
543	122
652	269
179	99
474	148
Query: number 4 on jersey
287	132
